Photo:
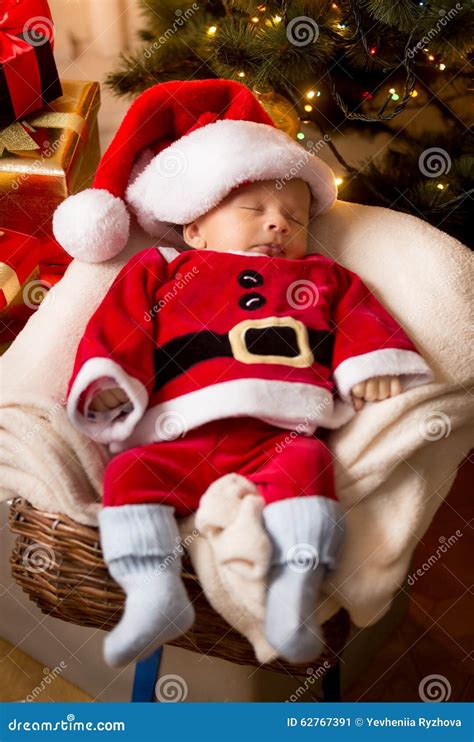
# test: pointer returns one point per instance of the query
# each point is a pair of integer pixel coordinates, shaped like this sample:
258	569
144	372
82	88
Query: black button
252	301
250	279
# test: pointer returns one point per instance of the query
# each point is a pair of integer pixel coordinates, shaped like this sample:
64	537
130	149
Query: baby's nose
278	223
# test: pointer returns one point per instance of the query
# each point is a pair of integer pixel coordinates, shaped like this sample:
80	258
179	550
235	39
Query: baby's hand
108	399
376	389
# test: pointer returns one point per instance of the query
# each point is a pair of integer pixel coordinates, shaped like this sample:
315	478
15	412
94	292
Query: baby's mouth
269	248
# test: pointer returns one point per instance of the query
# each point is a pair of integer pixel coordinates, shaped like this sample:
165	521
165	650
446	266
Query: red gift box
28	74
19	263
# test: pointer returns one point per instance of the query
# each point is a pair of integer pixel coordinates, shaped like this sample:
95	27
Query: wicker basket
59	564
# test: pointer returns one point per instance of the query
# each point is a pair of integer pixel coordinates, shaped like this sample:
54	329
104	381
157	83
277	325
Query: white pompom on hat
181	148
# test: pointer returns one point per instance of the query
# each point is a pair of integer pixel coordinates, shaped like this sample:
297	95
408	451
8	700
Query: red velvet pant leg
175	473
282	463
292	465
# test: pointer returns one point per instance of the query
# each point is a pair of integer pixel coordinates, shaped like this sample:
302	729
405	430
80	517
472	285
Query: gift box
46	157
21	289
28	74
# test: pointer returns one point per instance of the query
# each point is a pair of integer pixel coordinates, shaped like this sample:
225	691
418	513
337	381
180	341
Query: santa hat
181	148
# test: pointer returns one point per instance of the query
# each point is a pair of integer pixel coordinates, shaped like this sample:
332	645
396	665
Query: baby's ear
192	235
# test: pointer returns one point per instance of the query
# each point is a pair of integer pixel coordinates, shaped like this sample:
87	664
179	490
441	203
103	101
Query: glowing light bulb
255	19
442	66
414	93
395	96
339	181
392	90
241	74
277	18
310	94
308	108
440	186
300	135
211	30
430	57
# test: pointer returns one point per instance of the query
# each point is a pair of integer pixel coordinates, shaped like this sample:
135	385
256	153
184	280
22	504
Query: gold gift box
51	154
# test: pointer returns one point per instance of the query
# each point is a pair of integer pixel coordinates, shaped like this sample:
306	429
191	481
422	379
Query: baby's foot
290	622
157	609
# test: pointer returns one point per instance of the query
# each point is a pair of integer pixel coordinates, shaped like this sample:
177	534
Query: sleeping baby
230	357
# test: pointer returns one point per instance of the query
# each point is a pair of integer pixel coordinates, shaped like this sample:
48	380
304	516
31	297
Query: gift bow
16	20
15	138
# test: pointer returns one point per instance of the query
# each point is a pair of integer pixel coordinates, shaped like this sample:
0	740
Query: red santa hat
181	148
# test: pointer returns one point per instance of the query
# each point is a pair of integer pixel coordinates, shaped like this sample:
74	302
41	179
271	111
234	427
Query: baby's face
258	217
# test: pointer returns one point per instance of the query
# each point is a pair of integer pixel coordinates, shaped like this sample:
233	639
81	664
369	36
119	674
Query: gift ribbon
9	283
28	75
15	138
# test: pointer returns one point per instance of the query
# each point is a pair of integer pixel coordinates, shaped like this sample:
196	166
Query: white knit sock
141	547
306	533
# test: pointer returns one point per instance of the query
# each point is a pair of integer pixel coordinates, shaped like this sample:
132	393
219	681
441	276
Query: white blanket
395	460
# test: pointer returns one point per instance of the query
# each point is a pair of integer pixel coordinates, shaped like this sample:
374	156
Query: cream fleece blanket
395	460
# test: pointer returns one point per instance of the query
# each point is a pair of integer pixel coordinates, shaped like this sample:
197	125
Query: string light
442	66
392	90
367	95
414	93
277	18
440	186
241	74
339	181
373	49
341	25
300	135
211	30
308	108
430	57
310	94
255	19
395	96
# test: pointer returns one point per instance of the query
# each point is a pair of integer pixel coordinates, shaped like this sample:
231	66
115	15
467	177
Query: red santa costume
231	360
270	344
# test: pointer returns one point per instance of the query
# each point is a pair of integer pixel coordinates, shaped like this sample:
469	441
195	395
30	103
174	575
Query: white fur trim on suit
286	404
388	361
195	173
92	225
98	374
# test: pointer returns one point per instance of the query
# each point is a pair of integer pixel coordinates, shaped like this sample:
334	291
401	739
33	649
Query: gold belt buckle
239	348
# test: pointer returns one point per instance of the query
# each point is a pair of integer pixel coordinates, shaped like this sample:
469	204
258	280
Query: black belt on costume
179	354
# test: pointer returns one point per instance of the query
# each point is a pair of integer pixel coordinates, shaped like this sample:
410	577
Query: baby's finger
359	389
97	405
372	390
109	399
120	395
384	387
395	386
358	403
